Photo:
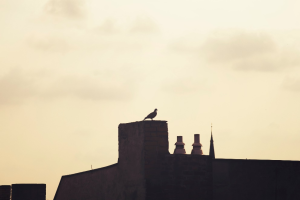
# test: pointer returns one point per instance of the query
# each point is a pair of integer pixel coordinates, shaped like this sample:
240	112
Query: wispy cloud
89	88
279	60
242	51
48	43
291	84
249	52
236	46
107	27
73	9
144	25
183	85
17	86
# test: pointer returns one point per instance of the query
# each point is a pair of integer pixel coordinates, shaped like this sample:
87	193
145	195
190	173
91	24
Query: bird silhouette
151	115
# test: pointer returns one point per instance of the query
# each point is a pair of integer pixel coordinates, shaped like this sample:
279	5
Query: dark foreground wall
256	179
90	185
4	192
187	177
28	192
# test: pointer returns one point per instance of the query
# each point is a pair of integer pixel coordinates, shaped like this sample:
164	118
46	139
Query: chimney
179	146
197	145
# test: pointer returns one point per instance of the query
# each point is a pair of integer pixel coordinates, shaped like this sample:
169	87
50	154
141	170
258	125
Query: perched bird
151	115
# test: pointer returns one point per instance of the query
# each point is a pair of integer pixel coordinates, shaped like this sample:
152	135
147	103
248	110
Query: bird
151	115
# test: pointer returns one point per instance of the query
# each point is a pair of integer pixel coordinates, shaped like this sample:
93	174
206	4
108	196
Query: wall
187	177
131	160
90	185
4	192
256	179
156	146
28	191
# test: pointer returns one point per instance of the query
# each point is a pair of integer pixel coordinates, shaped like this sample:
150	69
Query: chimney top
197	145
179	146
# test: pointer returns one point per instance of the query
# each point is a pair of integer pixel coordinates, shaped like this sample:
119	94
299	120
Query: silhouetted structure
4	192
179	149
211	147
28	192
197	145
147	171
23	192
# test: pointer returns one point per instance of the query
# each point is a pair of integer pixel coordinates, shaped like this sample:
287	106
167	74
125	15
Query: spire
211	148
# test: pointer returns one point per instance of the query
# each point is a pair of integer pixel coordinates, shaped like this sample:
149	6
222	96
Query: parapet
4	192
23	192
28	192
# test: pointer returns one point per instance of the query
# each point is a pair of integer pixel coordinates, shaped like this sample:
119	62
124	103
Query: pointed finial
211	148
211	137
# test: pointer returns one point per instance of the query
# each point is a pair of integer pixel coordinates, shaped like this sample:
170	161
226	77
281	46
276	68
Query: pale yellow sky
72	70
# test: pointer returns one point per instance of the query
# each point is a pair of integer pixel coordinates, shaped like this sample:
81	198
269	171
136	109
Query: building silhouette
147	171
24	191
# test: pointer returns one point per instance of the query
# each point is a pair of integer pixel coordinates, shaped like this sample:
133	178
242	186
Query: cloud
90	88
17	86
108	27
242	51
278	60
223	48
144	25
73	9
183	86
249	51
48	43
291	84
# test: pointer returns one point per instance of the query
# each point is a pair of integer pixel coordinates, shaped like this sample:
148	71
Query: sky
72	70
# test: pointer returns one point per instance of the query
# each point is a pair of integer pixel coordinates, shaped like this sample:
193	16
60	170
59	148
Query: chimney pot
179	146
197	145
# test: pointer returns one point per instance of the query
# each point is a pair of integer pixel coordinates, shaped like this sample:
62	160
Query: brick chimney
142	146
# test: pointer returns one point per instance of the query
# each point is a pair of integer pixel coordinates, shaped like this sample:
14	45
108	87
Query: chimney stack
197	145
179	146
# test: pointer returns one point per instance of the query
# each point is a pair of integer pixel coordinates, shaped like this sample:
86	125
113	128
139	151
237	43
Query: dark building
4	192
23	192
147	171
28	192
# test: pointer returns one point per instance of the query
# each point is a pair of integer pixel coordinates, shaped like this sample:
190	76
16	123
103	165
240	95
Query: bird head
155	110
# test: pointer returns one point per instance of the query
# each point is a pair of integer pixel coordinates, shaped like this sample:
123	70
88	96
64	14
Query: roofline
107	167
92	170
231	159
146	121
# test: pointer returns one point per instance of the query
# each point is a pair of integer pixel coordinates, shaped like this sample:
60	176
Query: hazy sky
72	70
